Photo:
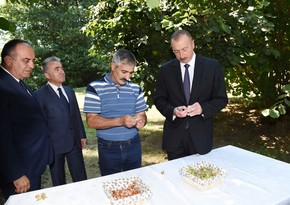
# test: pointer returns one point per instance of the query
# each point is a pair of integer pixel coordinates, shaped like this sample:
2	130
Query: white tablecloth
252	179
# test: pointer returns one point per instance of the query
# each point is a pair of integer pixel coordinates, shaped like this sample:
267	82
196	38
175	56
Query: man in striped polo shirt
115	107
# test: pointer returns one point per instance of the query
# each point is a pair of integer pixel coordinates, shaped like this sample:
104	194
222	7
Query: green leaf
226	28
287	102
274	113
153	3
185	20
287	88
282	96
282	109
165	23
4	24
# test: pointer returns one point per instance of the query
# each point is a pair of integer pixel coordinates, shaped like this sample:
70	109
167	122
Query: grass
150	139
151	147
236	125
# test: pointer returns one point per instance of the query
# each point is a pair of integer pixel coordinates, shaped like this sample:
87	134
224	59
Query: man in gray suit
190	89
66	129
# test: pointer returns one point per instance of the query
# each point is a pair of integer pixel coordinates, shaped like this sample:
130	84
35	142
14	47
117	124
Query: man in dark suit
190	89
24	142
66	129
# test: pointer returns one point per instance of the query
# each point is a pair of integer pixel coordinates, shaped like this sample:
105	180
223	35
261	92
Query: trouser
118	156
75	162
185	148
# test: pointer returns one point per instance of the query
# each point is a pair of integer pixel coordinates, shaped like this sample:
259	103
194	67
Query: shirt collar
54	87
9	73
191	62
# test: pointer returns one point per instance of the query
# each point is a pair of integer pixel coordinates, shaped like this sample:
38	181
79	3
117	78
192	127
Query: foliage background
249	37
54	28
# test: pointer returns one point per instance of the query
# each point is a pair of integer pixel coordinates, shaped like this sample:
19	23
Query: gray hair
48	60
124	56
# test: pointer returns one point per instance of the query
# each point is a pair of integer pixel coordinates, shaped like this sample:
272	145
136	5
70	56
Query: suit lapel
56	97
52	92
69	95
19	91
16	86
178	77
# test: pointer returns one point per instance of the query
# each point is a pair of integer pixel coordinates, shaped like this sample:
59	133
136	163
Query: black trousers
75	162
185	148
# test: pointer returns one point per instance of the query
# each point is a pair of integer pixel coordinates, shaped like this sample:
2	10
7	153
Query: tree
241	34
5	24
54	28
279	108
249	37
129	24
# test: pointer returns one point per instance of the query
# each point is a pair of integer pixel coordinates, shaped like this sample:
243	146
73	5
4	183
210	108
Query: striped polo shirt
108	100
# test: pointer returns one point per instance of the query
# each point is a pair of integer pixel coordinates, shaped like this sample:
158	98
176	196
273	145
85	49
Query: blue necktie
63	99
186	83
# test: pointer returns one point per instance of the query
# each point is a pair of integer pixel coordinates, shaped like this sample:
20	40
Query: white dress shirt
54	87
191	64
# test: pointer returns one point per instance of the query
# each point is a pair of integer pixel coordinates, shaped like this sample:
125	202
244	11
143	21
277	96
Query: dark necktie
186	83
62	98
24	87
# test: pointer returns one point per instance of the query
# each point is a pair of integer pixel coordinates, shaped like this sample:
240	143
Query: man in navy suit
24	142
66	129
188	127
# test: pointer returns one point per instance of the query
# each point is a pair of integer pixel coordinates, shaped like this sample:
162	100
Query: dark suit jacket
24	143
64	128
208	89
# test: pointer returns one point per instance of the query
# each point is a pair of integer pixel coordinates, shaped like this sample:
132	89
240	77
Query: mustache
124	79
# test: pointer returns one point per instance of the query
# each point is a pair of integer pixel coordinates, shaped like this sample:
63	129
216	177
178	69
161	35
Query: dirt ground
246	128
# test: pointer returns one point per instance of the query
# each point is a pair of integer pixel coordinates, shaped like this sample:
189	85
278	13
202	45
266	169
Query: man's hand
128	121
84	143
180	111
194	109
22	184
141	119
